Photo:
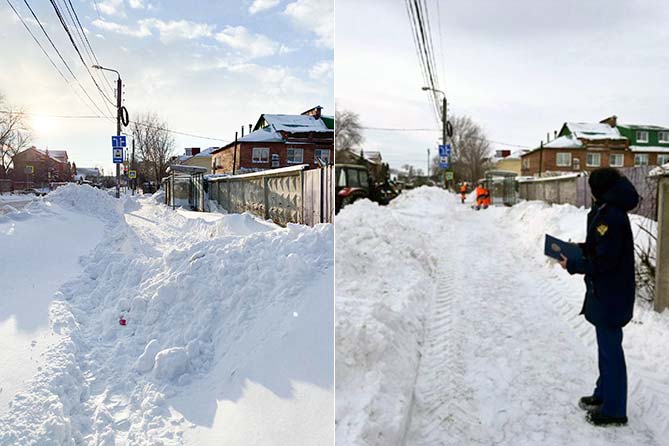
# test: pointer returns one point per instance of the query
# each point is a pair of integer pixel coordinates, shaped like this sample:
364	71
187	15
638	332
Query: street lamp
443	116
118	120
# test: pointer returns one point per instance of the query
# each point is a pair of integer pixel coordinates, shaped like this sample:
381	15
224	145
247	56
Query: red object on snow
122	321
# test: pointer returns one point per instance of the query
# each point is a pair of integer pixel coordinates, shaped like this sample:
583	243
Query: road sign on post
132	174
444	156
118	155
449	175
118	141
29	170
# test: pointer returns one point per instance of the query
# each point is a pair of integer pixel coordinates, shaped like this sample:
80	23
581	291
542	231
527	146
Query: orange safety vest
463	189
482	196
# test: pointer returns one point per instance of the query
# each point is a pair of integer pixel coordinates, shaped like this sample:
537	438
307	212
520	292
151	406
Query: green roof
328	121
642	127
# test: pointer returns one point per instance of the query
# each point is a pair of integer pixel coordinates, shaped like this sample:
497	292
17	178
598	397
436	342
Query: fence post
662	266
266	196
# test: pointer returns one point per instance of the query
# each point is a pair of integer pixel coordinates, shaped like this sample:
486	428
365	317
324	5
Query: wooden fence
574	189
286	195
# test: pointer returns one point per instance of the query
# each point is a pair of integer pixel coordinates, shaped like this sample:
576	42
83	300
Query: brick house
583	146
47	165
278	141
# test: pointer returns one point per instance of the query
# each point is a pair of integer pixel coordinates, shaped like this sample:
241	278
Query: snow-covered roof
295	123
205	152
267	134
59	156
88	171
565	142
279	171
649	149
590	130
643	127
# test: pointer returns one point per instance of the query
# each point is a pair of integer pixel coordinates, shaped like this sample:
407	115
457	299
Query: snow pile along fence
573	189
286	195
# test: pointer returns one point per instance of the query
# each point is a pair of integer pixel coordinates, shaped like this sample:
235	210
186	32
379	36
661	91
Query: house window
295	156
576	164
323	154
641	136
662	159
663	137
641	159
616	160
563	159
260	154
526	163
594	159
275	160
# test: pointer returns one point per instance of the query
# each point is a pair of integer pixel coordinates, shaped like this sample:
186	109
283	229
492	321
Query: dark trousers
612	382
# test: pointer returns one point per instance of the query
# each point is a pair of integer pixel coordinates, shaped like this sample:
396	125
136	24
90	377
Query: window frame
557	157
320	151
294	149
662	140
259	161
665	156
647	158
616	155
587	159
642	141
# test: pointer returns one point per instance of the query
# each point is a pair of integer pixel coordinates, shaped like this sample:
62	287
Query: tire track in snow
502	350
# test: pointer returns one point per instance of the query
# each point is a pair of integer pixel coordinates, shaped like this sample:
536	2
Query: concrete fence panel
287	195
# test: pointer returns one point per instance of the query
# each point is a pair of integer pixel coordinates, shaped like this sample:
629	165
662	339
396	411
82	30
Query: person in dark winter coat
608	266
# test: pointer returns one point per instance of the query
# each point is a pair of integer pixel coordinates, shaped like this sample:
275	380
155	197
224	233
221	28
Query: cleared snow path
504	355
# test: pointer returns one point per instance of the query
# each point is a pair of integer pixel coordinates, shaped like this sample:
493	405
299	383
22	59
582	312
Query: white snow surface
228	337
452	328
594	130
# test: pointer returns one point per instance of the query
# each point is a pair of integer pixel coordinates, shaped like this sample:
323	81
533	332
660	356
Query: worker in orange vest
463	191
482	197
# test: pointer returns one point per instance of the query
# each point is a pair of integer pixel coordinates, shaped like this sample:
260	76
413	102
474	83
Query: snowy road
503	354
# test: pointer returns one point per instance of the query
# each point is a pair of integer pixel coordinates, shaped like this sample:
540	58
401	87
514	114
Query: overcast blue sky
520	69
206	67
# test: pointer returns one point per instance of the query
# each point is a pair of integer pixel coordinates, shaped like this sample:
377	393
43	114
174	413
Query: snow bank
197	295
383	290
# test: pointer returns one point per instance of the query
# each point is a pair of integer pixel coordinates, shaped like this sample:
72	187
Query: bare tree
470	156
348	133
15	134
154	145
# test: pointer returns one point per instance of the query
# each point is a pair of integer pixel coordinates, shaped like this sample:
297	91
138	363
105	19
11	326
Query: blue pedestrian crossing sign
117	155
118	141
444	154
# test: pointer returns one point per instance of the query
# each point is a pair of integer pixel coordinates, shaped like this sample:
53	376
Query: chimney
611	120
554	134
250	128
317	114
194	151
242	131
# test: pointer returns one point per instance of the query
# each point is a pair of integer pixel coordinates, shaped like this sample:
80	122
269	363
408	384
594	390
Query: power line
57	52
74	44
84	39
177	132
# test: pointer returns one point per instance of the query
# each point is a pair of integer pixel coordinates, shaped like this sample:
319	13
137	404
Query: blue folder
554	247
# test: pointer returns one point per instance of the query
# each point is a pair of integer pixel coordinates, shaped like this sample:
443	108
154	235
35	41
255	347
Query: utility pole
132	162
118	133
234	155
428	162
119	111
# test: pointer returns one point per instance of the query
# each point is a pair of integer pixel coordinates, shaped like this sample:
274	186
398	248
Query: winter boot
590	403
597	418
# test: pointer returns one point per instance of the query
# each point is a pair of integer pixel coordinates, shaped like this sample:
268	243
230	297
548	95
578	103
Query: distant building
581	146
278	141
40	167
508	160
193	156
